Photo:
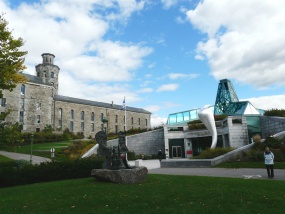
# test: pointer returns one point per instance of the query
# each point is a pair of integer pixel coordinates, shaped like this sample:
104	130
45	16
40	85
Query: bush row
22	172
212	153
275	112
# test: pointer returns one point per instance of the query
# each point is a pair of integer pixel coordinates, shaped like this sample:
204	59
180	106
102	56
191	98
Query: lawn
40	149
160	194
237	164
4	159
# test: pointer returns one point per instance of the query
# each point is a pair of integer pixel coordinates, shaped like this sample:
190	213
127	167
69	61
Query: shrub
132	155
212	153
78	148
275	112
272	142
12	174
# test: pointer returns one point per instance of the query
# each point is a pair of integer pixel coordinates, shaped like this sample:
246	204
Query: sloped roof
99	104
35	79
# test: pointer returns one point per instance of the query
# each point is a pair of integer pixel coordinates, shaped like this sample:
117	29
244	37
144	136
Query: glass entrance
176	152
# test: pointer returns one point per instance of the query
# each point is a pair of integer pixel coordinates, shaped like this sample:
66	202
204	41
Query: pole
126	126
31	157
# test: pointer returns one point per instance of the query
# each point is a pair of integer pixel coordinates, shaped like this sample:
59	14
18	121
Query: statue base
121	176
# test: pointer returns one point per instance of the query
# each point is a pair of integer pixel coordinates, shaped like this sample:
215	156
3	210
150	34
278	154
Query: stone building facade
37	104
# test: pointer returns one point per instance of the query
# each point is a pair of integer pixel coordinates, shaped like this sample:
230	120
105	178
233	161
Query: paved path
246	173
19	156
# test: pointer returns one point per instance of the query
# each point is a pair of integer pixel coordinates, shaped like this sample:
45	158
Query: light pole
31	157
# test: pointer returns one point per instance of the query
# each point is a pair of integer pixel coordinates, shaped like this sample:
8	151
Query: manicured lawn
4	159
277	165
160	194
40	149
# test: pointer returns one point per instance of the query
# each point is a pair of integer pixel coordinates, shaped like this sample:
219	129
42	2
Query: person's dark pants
270	170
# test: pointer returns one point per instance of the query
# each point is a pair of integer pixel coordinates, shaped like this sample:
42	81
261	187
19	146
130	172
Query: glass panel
172	118
186	115
179	117
193	115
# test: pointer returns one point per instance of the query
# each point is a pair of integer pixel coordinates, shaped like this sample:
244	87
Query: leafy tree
11	58
275	112
10	134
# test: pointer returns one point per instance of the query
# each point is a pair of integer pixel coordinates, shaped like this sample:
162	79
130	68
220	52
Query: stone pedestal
121	176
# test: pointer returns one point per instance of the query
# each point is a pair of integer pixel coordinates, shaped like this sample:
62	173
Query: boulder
121	176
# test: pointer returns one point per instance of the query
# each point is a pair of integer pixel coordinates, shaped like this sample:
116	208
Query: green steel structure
227	101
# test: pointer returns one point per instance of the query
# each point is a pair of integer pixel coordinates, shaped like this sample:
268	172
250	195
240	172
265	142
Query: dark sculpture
115	156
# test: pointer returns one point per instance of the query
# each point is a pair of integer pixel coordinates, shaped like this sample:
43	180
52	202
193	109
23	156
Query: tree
11	58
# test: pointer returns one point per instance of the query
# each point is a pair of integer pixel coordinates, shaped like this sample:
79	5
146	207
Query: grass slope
4	159
160	194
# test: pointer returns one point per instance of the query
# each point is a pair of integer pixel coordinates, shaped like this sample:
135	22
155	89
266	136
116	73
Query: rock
122	176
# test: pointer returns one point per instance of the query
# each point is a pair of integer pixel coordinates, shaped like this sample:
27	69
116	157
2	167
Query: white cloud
174	76
74	31
145	90
180	20
168	87
268	102
153	108
245	39
168	3
157	121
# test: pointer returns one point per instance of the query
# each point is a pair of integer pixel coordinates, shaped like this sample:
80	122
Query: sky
165	56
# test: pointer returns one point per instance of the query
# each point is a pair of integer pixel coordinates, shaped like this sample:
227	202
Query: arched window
71	114
82	115
23	89
116	121
60	118
51	75
92	116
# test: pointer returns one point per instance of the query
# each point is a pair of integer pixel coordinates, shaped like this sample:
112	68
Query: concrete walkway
19	156
246	173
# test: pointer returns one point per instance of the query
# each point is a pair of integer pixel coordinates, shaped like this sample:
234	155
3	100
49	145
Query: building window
92	127
51	75
38	74
59	123
145	122
38	106
116	120
124	119
23	89
71	114
21	118
116	129
92	116
82	126
3	102
82	115
38	120
102	117
60	113
71	126
38	129
132	119
60	118
139	121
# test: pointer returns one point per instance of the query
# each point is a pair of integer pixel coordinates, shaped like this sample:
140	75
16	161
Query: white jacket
269	157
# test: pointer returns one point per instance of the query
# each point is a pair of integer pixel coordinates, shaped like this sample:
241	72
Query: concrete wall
271	125
147	143
238	133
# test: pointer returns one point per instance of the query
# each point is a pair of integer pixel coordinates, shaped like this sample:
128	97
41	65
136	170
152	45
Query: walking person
159	154
269	162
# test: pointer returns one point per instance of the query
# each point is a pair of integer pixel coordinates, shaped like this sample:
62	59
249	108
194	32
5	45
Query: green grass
277	165
40	149
160	194
4	159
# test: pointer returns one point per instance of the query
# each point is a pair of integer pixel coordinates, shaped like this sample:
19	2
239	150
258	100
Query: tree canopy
11	58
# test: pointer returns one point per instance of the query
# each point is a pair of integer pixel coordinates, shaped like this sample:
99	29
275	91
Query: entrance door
176	152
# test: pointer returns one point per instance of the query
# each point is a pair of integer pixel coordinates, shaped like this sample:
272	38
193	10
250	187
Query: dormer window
51	75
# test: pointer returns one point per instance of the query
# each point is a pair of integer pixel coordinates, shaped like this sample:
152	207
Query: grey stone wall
147	143
88	109
271	125
36	104
238	133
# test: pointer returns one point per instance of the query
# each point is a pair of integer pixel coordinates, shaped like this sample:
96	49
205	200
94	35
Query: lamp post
31	157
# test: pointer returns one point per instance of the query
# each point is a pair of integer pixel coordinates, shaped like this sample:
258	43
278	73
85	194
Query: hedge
22	172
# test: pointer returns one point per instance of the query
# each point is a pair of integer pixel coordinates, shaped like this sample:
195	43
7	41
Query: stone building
37	104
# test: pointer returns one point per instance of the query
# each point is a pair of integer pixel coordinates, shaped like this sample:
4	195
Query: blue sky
162	55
